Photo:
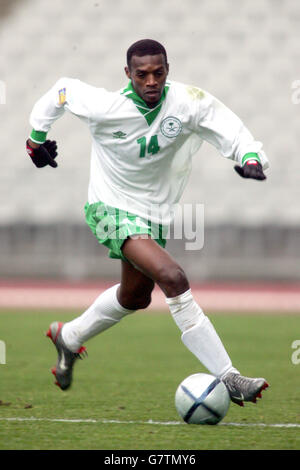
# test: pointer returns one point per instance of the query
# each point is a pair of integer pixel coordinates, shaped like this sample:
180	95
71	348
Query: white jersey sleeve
218	125
70	94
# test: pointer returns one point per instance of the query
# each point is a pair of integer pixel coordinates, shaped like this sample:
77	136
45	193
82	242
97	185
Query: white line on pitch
150	421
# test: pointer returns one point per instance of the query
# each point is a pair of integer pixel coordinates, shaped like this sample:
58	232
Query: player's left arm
218	125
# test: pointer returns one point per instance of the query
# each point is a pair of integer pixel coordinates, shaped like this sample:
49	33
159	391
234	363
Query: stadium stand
245	53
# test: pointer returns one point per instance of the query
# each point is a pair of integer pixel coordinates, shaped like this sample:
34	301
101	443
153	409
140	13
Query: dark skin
148	75
148	264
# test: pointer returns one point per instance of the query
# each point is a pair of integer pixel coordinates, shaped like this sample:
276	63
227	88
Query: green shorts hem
112	226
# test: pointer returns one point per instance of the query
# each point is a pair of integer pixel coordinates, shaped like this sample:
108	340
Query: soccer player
143	140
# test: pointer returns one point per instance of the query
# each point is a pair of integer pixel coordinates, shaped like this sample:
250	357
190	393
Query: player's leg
156	263
133	293
68	338
198	333
135	288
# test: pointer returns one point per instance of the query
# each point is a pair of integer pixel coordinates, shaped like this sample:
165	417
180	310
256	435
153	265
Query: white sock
199	335
105	312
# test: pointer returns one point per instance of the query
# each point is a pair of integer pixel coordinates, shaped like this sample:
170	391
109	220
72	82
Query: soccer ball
202	399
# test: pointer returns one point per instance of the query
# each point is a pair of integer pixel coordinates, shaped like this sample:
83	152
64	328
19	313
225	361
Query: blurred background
246	53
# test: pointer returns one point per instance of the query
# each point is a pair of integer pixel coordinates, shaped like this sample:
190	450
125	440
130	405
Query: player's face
148	76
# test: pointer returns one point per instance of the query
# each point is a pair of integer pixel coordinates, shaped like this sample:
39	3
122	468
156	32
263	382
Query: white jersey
141	158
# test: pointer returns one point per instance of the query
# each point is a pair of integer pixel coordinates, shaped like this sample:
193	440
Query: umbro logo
119	135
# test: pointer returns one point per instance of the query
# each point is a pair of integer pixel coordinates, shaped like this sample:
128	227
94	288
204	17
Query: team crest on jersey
171	126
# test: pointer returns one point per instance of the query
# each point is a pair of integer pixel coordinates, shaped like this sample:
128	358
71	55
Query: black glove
251	169
44	154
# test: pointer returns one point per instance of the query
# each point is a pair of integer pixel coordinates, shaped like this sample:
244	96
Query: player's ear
127	71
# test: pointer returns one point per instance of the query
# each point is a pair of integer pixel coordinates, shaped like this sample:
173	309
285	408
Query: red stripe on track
211	297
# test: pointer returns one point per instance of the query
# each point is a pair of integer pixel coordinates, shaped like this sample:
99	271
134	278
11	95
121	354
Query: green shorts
113	226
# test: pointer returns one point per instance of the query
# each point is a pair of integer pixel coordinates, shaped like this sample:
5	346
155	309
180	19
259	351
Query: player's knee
172	280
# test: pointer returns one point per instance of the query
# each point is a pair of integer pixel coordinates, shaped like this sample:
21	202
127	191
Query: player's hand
44	154
251	169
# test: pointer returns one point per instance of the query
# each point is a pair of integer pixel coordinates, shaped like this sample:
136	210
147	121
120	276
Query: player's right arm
67	93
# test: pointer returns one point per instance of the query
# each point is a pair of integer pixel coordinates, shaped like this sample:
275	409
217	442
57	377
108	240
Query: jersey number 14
152	147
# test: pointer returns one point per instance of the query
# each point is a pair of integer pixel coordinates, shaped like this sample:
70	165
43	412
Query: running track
212	297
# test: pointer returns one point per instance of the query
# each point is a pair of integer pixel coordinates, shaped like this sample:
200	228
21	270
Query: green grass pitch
126	386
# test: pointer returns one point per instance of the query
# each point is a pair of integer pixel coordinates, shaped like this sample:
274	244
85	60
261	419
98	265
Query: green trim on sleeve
250	156
39	137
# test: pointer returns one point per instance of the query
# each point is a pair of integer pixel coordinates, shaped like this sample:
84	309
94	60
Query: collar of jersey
148	113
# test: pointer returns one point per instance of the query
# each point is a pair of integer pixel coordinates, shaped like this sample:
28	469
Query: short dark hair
145	47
